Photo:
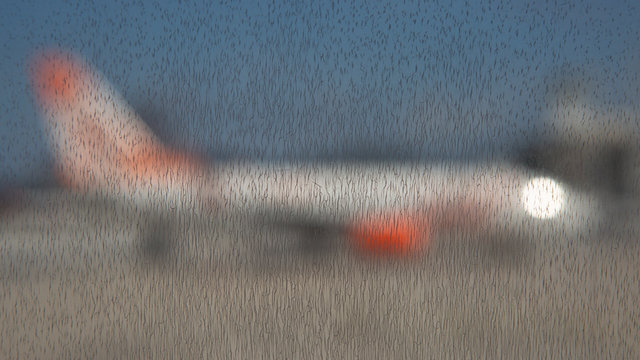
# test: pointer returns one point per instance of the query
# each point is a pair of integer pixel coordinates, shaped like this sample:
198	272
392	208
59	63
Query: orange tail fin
98	139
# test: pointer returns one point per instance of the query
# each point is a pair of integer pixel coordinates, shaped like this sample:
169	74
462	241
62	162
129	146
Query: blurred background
317	81
324	80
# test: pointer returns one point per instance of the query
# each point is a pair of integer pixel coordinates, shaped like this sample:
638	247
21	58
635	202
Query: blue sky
316	80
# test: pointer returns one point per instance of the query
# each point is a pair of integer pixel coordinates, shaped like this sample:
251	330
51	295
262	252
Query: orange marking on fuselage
57	78
159	162
390	234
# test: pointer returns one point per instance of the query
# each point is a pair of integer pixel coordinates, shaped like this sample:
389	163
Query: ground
77	283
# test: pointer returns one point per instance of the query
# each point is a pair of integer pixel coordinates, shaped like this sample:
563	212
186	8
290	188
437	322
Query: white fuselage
338	193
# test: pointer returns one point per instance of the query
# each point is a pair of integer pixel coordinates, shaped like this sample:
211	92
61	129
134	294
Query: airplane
103	148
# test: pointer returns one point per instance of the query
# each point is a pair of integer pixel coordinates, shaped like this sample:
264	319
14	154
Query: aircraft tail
98	140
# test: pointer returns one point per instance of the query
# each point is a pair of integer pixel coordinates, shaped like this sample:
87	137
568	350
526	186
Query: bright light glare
543	198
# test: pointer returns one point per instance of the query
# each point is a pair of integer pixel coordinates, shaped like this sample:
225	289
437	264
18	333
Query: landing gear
157	240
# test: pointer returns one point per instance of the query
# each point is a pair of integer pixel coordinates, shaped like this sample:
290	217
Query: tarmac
83	278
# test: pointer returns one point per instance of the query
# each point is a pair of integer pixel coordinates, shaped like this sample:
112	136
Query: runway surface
79	282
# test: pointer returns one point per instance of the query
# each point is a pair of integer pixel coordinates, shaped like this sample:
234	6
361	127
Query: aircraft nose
543	198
